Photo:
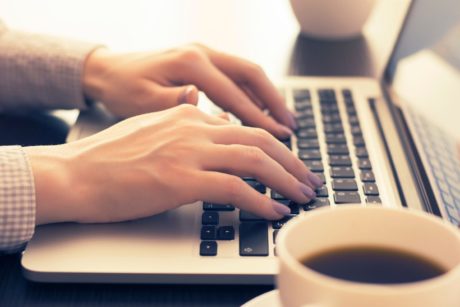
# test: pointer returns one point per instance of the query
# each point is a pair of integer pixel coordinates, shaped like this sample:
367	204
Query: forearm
54	191
41	71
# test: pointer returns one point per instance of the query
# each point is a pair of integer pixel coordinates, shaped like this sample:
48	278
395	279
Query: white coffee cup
402	229
332	19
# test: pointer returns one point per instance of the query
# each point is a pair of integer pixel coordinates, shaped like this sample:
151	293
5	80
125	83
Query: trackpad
172	233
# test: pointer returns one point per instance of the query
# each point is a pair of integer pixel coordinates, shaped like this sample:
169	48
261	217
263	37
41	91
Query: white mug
323	229
332	19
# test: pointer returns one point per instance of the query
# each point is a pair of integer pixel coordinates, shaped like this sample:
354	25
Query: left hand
136	83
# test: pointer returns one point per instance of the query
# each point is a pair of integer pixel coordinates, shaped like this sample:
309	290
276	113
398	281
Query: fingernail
185	97
318	182
293	121
307	191
280	208
285	131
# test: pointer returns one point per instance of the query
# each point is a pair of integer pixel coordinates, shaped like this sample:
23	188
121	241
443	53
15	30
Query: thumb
188	94
168	97
224	115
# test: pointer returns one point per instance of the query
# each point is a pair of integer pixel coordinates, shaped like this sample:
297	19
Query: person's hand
158	161
137	83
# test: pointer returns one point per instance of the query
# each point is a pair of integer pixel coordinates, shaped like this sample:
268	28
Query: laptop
371	140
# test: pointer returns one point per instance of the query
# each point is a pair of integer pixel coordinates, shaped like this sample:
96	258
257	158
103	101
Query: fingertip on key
280	208
285	131
314	179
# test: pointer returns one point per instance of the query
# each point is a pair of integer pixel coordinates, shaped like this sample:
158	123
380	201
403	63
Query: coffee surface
375	265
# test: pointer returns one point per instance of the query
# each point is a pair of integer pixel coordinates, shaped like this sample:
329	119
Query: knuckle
263	137
187	110
254	155
234	187
255	70
191	54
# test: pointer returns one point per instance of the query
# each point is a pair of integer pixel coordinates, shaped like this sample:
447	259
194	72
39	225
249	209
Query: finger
240	70
226	94
250	161
227	189
253	97
224	115
227	135
173	96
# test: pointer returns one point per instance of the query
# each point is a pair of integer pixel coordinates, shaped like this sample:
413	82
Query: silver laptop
386	142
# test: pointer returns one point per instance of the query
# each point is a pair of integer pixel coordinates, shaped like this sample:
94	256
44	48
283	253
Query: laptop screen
425	66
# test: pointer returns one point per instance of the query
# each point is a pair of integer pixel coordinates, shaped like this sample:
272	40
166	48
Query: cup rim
352	286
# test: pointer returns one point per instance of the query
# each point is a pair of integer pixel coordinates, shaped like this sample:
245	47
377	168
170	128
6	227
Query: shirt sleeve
39	71
17	199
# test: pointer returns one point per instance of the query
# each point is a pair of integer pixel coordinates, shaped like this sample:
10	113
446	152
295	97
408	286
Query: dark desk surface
282	53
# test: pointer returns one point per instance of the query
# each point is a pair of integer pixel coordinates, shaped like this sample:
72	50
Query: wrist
93	74
56	200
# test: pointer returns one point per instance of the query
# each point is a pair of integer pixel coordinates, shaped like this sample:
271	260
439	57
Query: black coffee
367	264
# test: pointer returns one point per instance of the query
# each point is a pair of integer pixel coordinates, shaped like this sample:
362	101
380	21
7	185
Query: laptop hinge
420	181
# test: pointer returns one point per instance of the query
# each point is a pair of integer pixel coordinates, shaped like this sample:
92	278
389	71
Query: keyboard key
344	185
346	198
226	233
321	176
275	234
306	123
208	233
253	239
371	189
342	172
351	111
248	216
257	186
280	223
305	113
336	138
337	149
333	128
217	207
287	143
308	144
361	152
353	120
294	208
331	119
208	248
346	93
316	203
356	130
303	105
309	133
359	141
210	218
373	200
314	165
301	94
326	94
364	164
309	154
367	176
341	160
322	192
276	195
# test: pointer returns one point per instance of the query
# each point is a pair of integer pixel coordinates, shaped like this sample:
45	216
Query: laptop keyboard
329	140
443	162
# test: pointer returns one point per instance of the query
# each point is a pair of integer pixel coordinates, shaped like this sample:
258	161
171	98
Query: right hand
159	161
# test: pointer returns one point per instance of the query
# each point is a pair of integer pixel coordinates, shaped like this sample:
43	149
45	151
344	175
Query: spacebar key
254	239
